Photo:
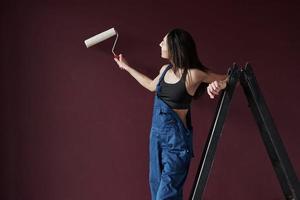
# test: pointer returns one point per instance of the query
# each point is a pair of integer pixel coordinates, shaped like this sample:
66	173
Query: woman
171	133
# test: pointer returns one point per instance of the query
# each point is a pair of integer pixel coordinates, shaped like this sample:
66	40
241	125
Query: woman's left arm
217	82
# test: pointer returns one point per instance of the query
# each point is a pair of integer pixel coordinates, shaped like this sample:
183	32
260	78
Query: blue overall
171	149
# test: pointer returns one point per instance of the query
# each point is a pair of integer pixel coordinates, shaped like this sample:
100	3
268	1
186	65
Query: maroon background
74	126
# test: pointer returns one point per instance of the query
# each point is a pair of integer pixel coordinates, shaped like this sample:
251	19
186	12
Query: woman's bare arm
207	77
217	82
141	78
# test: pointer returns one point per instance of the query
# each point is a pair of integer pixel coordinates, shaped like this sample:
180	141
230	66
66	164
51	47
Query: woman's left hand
215	87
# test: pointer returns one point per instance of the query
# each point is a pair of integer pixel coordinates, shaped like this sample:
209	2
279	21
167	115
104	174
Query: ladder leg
209	151
272	141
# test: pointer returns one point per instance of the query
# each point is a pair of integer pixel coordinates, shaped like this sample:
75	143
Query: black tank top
175	94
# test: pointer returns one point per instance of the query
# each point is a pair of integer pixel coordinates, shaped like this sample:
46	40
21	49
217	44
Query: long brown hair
183	54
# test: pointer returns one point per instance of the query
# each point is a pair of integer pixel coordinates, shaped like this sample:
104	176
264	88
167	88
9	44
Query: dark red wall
74	126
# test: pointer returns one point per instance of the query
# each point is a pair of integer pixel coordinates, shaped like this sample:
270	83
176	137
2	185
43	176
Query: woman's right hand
120	60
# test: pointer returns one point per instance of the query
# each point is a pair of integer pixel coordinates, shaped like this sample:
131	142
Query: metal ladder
272	141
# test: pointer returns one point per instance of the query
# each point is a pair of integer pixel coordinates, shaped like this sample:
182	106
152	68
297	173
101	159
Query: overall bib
171	149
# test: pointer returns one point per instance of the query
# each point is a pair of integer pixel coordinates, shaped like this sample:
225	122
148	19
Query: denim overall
171	149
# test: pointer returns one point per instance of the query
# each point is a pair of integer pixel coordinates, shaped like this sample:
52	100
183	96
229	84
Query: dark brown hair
183	54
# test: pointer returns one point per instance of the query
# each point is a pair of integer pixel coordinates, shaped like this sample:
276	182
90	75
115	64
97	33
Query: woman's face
164	48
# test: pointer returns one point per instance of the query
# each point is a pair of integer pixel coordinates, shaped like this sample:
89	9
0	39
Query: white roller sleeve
100	37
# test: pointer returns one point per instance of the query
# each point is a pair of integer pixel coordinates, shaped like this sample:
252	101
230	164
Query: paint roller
101	37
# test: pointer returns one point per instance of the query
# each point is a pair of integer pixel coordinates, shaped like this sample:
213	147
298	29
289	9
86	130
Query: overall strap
164	73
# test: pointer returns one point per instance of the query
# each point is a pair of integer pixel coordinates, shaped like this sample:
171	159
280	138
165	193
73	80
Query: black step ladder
272	141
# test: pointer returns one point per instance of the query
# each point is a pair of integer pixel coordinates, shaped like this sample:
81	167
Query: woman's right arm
141	78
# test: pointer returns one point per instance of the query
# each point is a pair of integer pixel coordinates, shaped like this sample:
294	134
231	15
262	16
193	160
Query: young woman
184	78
